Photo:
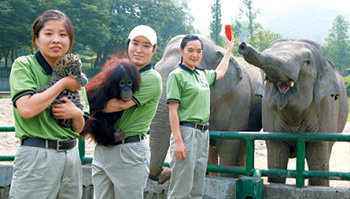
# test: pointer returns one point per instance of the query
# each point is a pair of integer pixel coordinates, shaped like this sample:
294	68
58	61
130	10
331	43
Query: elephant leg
213	156
317	155
230	153
159	144
277	158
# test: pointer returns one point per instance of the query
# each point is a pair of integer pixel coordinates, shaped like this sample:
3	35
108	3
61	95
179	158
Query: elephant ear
260	86
229	81
326	83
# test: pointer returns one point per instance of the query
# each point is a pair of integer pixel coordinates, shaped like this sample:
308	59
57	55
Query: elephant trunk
275	67
251	55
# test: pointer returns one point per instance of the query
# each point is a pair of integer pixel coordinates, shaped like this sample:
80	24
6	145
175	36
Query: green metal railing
300	174
11	157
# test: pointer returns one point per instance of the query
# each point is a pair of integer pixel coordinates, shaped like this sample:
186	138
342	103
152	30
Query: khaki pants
46	173
121	171
187	176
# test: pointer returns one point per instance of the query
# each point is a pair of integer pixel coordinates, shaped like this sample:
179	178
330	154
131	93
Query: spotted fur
67	65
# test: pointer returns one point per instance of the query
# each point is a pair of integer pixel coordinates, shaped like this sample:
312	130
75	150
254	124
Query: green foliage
246	28
16	17
262	39
347	84
215	24
251	15
89	18
337	48
101	26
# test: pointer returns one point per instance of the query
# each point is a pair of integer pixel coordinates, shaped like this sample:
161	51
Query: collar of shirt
43	63
146	68
189	70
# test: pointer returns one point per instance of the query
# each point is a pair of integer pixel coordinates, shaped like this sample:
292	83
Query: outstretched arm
223	65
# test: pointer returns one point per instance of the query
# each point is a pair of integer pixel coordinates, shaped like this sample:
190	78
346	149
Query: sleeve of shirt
173	89
211	76
150	88
85	102
21	80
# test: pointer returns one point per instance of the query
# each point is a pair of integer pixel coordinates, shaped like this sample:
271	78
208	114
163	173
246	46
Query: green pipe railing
300	174
300	180
7	129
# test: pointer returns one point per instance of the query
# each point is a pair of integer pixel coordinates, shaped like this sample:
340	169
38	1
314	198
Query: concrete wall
215	188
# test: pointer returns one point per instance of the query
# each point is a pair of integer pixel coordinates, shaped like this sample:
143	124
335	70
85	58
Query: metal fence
300	173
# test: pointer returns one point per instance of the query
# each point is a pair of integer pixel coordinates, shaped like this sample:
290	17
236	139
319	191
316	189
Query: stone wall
215	188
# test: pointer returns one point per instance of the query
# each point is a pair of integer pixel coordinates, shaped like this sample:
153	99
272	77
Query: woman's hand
71	84
115	105
66	110
230	44
223	65
112	106
180	150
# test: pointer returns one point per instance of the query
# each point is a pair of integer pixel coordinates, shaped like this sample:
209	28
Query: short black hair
188	38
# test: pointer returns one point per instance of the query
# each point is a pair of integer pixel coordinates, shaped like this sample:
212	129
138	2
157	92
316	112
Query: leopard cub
67	65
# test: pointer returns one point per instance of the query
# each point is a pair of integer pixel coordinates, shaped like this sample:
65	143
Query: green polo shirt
27	74
191	89
136	120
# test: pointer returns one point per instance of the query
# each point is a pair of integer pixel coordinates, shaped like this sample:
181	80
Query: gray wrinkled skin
234	107
313	99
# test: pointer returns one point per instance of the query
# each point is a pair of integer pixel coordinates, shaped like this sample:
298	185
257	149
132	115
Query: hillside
302	21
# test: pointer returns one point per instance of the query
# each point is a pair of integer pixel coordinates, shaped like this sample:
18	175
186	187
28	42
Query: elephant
302	93
234	107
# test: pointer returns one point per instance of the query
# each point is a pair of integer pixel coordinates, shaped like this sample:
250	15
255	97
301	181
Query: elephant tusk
291	83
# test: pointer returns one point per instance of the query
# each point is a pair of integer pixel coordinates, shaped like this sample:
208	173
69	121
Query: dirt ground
340	158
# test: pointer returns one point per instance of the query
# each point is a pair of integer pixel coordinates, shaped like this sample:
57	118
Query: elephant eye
307	61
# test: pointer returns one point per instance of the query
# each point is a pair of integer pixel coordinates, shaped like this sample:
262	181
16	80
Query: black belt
199	126
58	145
134	138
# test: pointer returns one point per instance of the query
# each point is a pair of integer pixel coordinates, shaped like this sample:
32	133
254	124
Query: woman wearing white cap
121	171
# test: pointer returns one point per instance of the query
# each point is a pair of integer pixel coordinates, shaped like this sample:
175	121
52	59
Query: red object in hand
228	31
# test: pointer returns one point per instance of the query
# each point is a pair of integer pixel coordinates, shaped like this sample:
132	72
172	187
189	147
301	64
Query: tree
263	38
126	15
16	17
251	15
337	48
101	26
189	19
245	28
91	25
215	24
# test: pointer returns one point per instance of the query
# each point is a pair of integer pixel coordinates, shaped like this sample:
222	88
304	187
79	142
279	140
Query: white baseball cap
145	31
